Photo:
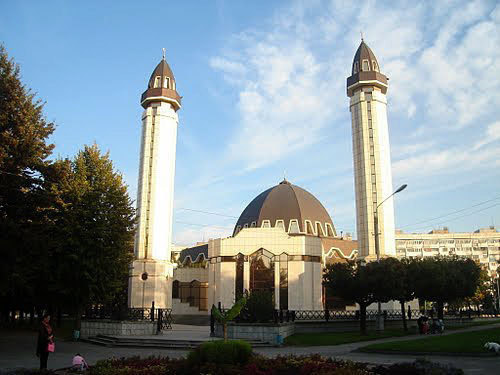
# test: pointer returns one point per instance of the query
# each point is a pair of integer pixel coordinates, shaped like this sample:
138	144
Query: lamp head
401	188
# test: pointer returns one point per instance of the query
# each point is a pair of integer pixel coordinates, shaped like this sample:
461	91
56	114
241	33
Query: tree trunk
224	327
78	318
403	315
362	318
440	307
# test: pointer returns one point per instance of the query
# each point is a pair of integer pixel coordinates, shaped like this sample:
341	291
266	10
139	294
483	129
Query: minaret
151	271
367	88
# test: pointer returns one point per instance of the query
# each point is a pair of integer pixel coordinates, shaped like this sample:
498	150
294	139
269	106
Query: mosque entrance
262	271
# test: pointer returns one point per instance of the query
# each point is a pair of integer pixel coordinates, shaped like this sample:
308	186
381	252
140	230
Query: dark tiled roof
193	253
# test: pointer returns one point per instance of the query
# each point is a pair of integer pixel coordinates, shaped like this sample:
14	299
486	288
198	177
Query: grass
461	342
338	338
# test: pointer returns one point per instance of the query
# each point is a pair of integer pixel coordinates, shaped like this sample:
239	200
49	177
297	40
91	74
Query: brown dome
290	207
161	87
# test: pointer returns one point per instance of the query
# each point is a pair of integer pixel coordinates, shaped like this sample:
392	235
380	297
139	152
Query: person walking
45	342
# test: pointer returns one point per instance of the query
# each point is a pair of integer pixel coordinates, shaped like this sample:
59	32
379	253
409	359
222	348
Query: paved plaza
17	349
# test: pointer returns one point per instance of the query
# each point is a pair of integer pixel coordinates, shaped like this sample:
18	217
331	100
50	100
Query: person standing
45	337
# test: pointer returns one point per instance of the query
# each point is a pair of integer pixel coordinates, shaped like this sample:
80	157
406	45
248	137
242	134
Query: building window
319	229
366	66
253	225
356	68
261	271
157	82
166	83
280	224
374	65
238	287
294	226
309	227
175	289
266	224
283	281
329	230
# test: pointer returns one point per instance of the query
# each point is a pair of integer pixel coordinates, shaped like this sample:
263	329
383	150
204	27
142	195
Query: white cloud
492	135
448	161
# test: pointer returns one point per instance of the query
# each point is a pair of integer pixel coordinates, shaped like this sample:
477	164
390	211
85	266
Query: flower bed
258	365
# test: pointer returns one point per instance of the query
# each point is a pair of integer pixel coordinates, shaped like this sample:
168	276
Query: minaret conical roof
365	71
162	87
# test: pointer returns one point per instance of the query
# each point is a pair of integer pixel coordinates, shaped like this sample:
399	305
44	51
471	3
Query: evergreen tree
25	202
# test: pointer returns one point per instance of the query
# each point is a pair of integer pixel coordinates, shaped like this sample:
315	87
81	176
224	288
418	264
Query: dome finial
163	53
362	39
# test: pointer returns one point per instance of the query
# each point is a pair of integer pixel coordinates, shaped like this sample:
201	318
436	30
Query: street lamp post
380	318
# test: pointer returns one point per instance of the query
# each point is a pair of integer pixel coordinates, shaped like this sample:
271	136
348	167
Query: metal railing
163	317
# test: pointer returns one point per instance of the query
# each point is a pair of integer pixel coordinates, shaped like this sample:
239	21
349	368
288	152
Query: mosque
284	237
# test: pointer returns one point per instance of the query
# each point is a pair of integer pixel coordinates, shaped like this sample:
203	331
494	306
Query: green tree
445	280
395	282
353	281
96	233
26	201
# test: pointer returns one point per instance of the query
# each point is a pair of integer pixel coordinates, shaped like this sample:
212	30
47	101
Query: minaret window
375	66
366	65
157	82
167	83
356	68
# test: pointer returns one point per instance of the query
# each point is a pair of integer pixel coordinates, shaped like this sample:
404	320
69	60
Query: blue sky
263	86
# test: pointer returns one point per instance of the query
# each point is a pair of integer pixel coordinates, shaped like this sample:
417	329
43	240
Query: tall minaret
367	88
151	271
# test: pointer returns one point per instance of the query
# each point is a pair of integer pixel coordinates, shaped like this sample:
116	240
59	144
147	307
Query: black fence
163	317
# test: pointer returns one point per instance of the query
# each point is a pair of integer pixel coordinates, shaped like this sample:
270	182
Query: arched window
366	66
356	68
157	82
280	224
319	229
175	289
266	224
166	84
262	271
309	227
294	226
375	66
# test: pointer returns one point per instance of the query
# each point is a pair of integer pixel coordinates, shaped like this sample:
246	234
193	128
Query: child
79	362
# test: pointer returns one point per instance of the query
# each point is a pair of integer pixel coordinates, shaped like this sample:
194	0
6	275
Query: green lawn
462	342
337	338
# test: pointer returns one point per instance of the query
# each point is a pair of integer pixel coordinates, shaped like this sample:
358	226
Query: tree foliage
353	281
66	226
27	202
97	227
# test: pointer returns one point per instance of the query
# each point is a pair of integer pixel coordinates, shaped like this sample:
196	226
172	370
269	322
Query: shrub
219	352
136	366
419	367
259	307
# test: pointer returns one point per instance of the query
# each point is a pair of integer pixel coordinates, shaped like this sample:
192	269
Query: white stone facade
303	257
151	271
372	171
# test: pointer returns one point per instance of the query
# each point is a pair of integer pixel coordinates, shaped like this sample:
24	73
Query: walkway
17	349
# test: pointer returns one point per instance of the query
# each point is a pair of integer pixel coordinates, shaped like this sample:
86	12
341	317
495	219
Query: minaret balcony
161	94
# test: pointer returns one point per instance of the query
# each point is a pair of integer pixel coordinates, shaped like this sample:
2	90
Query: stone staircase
159	343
